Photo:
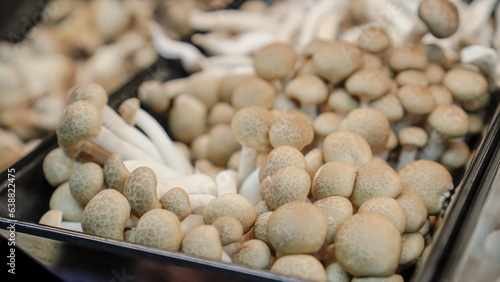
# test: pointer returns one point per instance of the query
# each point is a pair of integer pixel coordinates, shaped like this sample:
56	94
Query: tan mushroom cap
159	228
326	123
199	146
390	106
373	39
456	155
434	74
292	129
233	205
280	157
260	227
62	200
413	246
368	84
441	94
368	244
387	207
176	200
221	112
304	267
404	58
335	61
392	141
261	208
413	136
140	191
288	184
229	82
337	210
129	235
204	87
306	68
253	92
375	179
129	108
347	147
253	253
314	46
187	118
222	144
203	241
449	120
392	278
334	178
314	160
307	89
229	228
85	182
92	92
477	103
297	227
152	94
115	173
429	180
371	61
251	126
57	167
370	124
416	99
52	218
464	84
335	272
106	214
476	123
415	208
275	60
341	101
441	17
412	77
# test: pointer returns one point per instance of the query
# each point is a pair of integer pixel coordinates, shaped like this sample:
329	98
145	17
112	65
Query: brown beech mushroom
62	200
152	95
280	157
232	205
260	227
204	87
274	60
387	207
347	147
221	145
416	99
176	200
456	155
335	61
441	94
404	58
440	16
57	167
337	209
411	139
368	84
291	129
304	267
187	118
253	253
140	191
373	39
342	102
253	92
413	246
415	208
434	74
159	228
115	173
465	84
412	77
309	90
230	229
203	241
85	182
334	178
390	106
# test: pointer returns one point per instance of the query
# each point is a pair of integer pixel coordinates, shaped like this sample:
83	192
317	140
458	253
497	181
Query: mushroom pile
314	142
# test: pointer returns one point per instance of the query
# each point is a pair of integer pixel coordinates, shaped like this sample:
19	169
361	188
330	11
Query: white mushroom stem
476	15
406	157
159	169
329	23
175	87
132	221
191	222
72	225
225	258
434	148
248	160
250	189
226	181
310	23
291	22
482	56
192	184
235	20
384	155
245	43
231	248
199	201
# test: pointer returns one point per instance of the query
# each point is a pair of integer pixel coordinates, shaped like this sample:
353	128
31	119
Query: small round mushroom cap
260	227
375	179
251	126
477	103
253	253
57	167
62	200
253	92
335	272
85	182
233	205
337	210
92	92
392	142
159	228
334	178
434	74
370	124
229	82
230	229
140	191
371	61
368	84
187	118
326	123
221	112
129	235
52	218
387	207
441	94
449	120
416	99
429	180
288	184
204	87
314	160
176	200
404	58
335	61
152	94
275	60
348	147
368	244
307	89
342	102
392	278
203	241
373	39
464	84
280	157
304	267
441	17
297	228
456	155
80	122
413	136
413	246
106	215
291	129
199	146
222	144
412	77
415	209
115	173
390	106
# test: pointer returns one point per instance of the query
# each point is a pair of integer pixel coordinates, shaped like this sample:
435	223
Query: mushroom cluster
312	141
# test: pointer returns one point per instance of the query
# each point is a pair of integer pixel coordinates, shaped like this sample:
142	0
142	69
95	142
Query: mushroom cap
57	167
128	109
373	39
371	61
441	17
334	178
335	272
434	74
292	129
456	155
335	61
230	229
233	205
288	184
251	126
115	173
337	210
450	120
253	253
62	200
341	101
368	244
159	228
441	94
229	82
222	144
326	123
314	160
387	207
348	147
106	215
260	227
392	141
280	157
204	87
368	83
404	58
187	118
52	218
253	92
203	241
152	94
416	99
392	278
375	179
85	182
304	267
307	89
464	84
413	246
274	60
370	124
221	112
412	77
413	136
176	200
92	92
390	106
415	209
140	190
429	180
297	227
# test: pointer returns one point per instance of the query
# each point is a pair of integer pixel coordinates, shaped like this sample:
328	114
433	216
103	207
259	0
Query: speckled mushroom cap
368	244
253	253
335	272
152	94
413	246
337	210
275	60
233	205
304	267
280	157
297	227
140	191
307	89
62	200
80	122
92	92
203	241
57	167
404	58
375	179
392	278
159	228
368	83
373	39
441	94
115	173
253	92
416	99
314	160
390	106
413	136
449	120
387	207
370	124
347	147
291	129
441	17
412	77
260	227
187	118
204	87
176	200
341	101
335	61
326	123
85	182
429	180
456	155
288	184
106	214
230	229
415	208
334	178
464	84
251	127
